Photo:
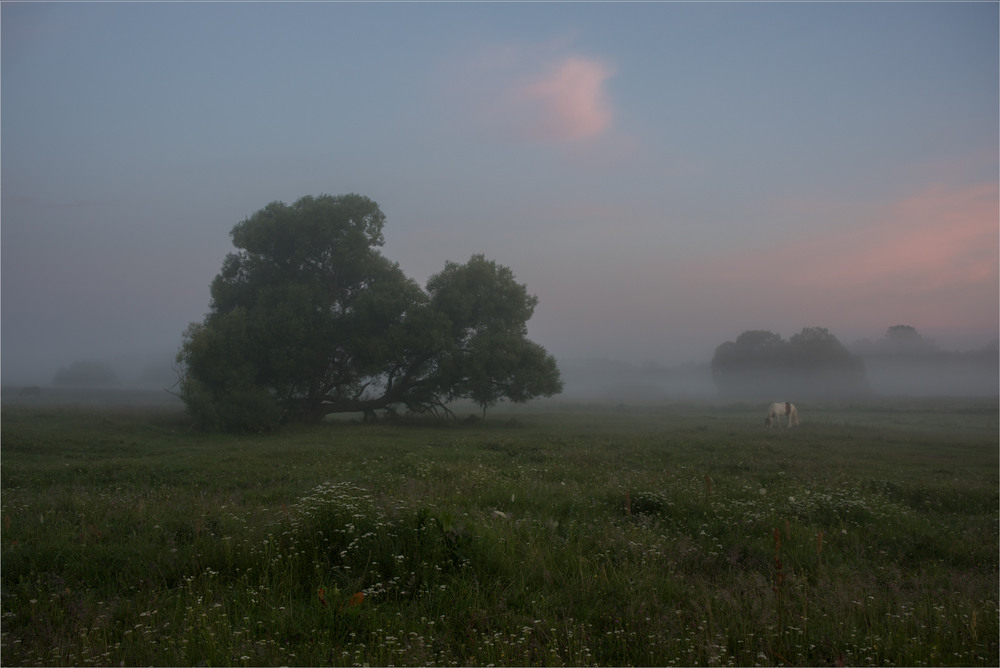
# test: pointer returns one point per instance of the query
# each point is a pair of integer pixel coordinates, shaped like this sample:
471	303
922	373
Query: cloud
567	103
942	237
928	259
533	94
939	237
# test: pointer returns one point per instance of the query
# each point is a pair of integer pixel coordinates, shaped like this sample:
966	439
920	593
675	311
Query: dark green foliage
491	357
308	318
813	363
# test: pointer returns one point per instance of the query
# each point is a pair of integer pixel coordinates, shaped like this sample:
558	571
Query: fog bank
942	374
606	380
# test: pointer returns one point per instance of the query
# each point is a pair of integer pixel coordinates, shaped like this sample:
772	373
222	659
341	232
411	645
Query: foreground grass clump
679	536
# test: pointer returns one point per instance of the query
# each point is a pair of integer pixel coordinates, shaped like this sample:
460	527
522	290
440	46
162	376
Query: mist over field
939	374
934	373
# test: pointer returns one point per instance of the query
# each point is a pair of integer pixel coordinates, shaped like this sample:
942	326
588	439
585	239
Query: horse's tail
793	415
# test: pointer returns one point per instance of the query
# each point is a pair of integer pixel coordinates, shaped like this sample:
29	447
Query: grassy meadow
549	535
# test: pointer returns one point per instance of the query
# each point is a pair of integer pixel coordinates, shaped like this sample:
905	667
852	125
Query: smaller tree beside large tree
489	356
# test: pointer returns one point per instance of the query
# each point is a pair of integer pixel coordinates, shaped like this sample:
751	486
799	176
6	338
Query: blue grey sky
663	176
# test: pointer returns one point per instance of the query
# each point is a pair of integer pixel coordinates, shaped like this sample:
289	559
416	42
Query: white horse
779	408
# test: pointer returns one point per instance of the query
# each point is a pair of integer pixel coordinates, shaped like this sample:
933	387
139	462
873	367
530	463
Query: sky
662	176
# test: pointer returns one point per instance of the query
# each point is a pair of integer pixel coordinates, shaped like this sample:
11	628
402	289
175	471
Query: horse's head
767	421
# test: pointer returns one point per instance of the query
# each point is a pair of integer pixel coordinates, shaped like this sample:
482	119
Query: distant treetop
813	363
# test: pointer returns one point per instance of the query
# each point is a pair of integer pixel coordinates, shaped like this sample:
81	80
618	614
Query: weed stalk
779	578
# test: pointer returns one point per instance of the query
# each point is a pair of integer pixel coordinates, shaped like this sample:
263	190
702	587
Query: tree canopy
308	318
490	357
899	340
812	363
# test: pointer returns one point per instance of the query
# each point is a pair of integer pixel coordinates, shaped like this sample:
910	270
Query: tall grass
681	536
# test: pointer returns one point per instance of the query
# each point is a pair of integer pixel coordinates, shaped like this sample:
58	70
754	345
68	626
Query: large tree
308	318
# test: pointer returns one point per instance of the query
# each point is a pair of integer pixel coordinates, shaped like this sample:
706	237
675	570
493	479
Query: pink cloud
937	238
930	259
568	103
533	94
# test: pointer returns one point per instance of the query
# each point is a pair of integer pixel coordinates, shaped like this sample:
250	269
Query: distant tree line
812	363
308	318
905	342
903	362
